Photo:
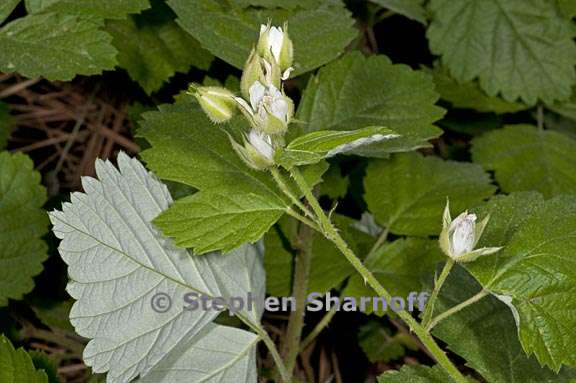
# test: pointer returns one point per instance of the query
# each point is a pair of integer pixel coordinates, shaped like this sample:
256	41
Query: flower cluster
263	102
460	236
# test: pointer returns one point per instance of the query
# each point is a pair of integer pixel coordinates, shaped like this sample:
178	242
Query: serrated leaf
408	192
6	8
188	148
118	263
5	124
202	360
357	92
416	374
229	218
521	49
534	272
526	158
22	224
48	45
469	95
485	335
313	147
413	9
152	47
400	266
319	34
17	366
106	9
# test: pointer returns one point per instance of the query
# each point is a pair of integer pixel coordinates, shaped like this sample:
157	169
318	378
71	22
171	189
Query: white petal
286	73
262	142
256	91
263	28
244	105
275	40
462	234
279	109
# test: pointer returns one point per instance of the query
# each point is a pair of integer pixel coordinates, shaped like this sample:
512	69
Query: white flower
460	236
274	43
269	110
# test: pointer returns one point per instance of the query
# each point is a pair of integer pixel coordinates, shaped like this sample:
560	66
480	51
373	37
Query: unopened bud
218	103
274	43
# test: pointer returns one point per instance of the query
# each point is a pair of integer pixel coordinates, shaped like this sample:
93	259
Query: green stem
429	310
275	355
288	192
299	291
332	234
319	328
303	219
456	308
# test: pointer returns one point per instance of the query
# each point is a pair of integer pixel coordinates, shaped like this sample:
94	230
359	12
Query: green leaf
118	263
278	265
521	49
316	146
229	218
152	47
413	9
319	34
526	158
5	124
55	316
22	224
535	271
400	266
380	346
416	374
6	8
47	45
106	9
485	335
568	7
17	366
335	185
188	148
357	92
42	361
408	192
566	109
469	95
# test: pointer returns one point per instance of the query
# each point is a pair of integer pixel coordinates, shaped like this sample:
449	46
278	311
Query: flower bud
274	43
460	236
218	103
258	150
